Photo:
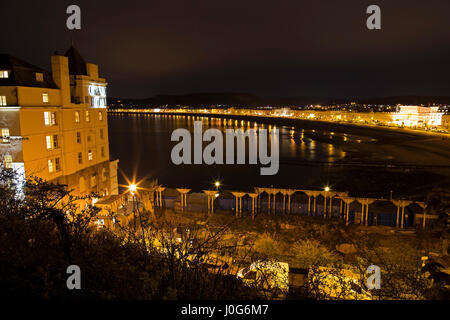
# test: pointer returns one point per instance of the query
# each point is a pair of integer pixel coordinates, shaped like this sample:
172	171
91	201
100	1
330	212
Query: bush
309	253
267	247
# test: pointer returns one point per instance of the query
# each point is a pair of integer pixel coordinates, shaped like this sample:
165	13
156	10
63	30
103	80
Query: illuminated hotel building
419	116
54	125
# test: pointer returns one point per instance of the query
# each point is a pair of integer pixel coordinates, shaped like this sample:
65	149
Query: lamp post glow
132	188
327	188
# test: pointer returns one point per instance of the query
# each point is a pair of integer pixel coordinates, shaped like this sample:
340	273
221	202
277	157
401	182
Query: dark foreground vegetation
43	233
167	256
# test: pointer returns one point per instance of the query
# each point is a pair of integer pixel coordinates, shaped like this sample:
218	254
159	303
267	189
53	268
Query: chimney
60	71
92	70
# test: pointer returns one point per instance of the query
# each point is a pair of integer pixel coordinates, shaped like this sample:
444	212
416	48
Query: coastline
410	165
428	148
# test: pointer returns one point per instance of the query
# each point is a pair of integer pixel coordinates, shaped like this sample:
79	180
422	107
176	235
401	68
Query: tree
44	229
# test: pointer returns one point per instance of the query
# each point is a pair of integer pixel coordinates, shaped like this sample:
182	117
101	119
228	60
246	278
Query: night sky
263	47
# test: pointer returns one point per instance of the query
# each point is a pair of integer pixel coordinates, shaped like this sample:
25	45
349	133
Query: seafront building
417	117
54	124
404	116
411	116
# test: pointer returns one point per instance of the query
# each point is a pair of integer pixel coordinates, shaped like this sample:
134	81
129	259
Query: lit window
77	116
87	116
2	100
100	116
49	142
4	74
52	142
90	155
5	135
49	118
50	165
45	97
78	137
57	164
53	118
7	161
39	76
80	158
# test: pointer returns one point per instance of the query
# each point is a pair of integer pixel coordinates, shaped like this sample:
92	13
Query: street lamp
132	188
217	184
327	188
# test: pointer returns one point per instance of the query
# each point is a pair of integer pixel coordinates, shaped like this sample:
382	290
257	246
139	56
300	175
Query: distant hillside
222	98
248	100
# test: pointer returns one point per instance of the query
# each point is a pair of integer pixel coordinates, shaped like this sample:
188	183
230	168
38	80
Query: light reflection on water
142	143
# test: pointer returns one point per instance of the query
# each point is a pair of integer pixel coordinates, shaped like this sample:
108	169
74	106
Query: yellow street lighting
327	188
217	184
132	188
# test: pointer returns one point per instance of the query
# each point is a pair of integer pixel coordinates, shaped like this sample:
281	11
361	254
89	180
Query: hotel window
52	142
80	158
49	118
49	142
2	100
90	157
39	76
5	135
77	116
100	116
78	137
101	133
57	164
45	98
103	152
87	116
7	161
50	165
4	74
